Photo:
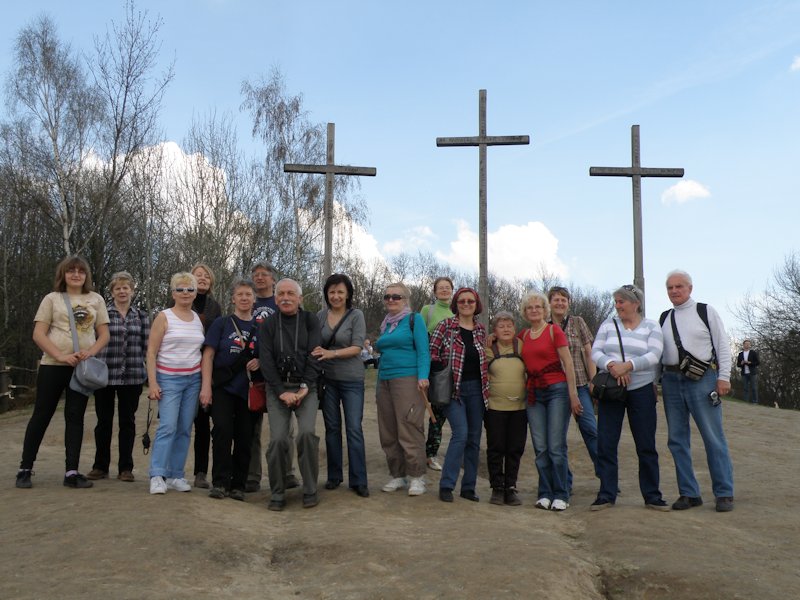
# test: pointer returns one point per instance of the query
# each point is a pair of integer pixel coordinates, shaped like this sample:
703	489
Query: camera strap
296	331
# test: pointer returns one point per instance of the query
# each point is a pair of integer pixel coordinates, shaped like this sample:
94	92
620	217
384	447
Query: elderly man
695	339
290	371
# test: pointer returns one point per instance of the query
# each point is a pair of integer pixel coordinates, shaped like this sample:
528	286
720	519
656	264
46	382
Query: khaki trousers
401	426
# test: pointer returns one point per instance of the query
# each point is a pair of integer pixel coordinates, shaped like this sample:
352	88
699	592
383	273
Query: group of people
204	368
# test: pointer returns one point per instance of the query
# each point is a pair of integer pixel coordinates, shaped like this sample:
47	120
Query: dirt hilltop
117	541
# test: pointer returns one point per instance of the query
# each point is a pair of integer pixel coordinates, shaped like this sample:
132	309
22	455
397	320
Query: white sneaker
559	505
434	464
158	485
179	485
416	486
543	503
398	483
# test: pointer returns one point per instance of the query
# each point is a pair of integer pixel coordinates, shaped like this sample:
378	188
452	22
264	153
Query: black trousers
232	433
202	440
506	435
51	382
128	400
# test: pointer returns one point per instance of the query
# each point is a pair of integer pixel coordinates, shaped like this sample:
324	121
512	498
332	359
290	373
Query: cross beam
329	169
636	172
482	141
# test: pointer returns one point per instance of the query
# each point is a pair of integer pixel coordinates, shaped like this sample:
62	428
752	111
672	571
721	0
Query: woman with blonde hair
53	333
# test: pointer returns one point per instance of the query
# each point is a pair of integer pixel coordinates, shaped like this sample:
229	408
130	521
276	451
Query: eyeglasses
466	301
184	289
394	297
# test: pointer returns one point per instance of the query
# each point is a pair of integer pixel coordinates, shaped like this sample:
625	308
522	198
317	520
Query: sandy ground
117	541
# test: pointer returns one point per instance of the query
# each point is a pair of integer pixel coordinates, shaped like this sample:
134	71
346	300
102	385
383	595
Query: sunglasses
181	290
466	301
394	297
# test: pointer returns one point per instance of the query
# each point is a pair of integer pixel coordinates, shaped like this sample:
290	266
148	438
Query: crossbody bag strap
619	337
676	336
244	347
75	346
335	329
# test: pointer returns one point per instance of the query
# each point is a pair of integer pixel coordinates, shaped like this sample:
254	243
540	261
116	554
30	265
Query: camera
287	367
714	398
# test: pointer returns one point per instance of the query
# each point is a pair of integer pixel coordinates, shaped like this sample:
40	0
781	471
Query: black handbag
689	365
440	390
606	386
331	342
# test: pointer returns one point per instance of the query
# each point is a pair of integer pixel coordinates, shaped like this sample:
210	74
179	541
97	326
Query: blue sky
715	87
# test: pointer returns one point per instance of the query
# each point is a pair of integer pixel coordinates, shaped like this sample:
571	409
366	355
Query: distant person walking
748	362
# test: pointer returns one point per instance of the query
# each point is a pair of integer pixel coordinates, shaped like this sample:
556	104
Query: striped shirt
179	353
643	348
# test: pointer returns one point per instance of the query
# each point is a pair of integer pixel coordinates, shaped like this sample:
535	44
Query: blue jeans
641	407
351	396
176	412
587	425
548	420
750	387
465	414
683	397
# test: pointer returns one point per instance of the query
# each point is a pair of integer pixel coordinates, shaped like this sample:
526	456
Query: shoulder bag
441	382
606	386
321	378
89	374
257	390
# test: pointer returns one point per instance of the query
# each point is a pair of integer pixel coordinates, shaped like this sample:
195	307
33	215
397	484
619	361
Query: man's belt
672	368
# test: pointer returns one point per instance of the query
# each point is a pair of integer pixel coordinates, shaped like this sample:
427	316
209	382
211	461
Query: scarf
392	320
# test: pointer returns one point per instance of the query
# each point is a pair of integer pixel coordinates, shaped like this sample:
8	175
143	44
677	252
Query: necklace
536	332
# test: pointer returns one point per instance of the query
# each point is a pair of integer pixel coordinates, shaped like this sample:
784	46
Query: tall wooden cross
329	169
482	141
636	172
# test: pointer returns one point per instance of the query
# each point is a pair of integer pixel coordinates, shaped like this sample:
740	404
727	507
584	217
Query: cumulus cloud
795	64
417	238
683	191
515	251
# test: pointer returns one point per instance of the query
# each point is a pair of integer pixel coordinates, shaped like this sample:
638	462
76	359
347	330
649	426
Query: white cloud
683	191
795	64
417	238
515	251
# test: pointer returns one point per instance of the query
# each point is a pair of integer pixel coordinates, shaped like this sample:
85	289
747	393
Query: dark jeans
51	381
233	428
350	395
506	435
641	407
128	399
202	440
435	430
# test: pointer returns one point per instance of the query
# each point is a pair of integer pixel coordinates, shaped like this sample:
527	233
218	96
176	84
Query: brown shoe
96	474
126	476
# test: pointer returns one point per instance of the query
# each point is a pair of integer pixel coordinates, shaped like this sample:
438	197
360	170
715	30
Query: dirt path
117	541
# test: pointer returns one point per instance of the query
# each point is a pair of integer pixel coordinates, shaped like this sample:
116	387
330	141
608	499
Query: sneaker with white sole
543	503
178	484
158	485
398	483
416	486
559	505
434	464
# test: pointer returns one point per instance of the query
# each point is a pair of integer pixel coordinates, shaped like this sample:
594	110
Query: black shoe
511	498
601	504
498	496
252	486
724	504
446	495
276	505
686	502
77	481
362	491
310	500
291	482
218	493
236	494
470	495
658	504
24	478
331	484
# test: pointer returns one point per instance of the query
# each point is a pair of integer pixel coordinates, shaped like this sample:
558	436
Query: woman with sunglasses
461	340
641	342
402	378
173	374
433	314
52	332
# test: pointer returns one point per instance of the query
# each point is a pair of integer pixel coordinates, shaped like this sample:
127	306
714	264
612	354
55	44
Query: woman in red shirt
552	395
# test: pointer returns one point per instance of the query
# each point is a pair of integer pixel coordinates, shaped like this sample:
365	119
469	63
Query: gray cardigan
351	333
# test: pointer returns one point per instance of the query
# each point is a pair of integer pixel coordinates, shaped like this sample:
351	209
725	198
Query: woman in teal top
402	377
433	315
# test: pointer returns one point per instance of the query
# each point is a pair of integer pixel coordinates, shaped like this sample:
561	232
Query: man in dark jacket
748	362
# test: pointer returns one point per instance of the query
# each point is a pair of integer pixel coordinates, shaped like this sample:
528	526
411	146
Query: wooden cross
482	141
636	172
329	169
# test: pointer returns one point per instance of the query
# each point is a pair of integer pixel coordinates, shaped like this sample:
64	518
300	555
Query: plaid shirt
127	348
448	330
578	335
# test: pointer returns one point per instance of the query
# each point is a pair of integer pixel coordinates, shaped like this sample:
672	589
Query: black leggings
51	381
